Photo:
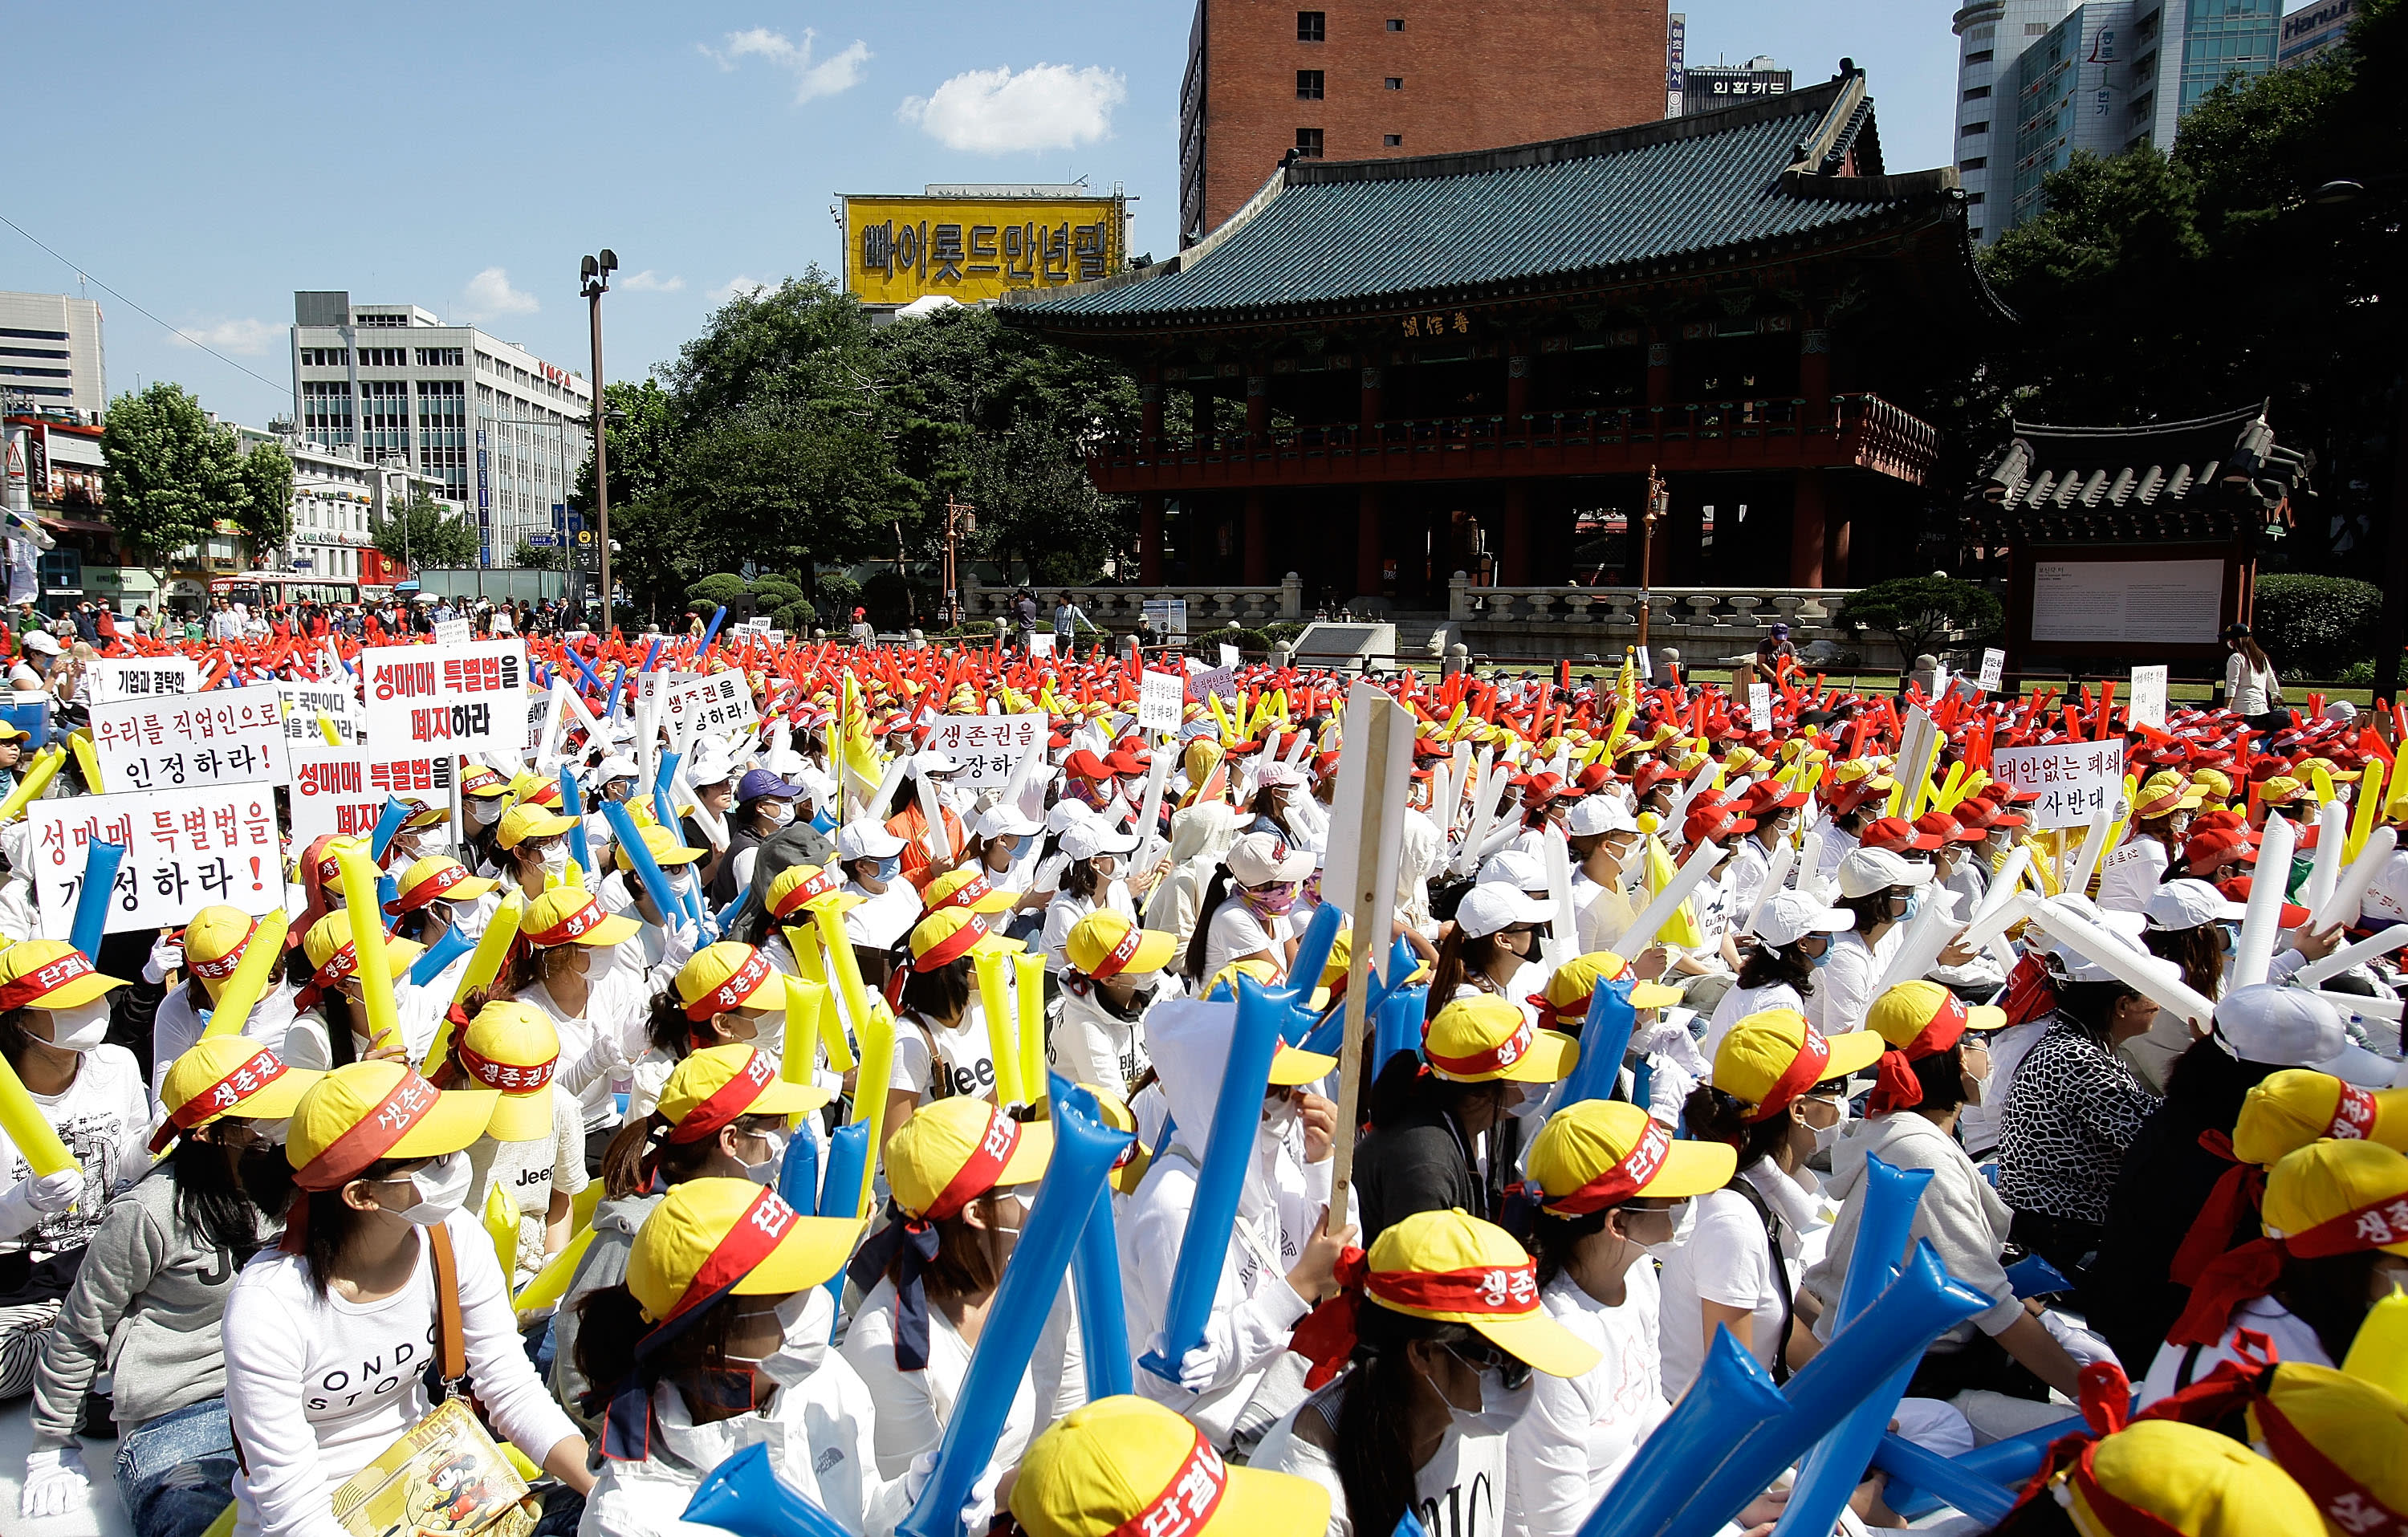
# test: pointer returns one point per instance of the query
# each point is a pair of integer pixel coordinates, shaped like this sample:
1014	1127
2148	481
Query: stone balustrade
1209	607
1706	623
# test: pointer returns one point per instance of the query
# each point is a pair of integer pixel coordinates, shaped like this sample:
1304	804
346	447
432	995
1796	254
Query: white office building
338	500
51	360
500	431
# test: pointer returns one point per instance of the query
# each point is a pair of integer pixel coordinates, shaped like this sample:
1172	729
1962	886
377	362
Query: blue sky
207	161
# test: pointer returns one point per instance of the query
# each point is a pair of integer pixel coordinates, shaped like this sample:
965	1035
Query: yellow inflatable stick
550	1284
2379	1355
37	779
1002	1029
501	1226
29	1130
87	759
252	976
368	944
1030	980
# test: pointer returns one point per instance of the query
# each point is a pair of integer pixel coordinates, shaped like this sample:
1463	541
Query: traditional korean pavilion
1381	372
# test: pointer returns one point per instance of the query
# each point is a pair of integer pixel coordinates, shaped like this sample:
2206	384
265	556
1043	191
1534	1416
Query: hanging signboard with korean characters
343	789
184	850
140	677
989	747
969	248
182	741
467	698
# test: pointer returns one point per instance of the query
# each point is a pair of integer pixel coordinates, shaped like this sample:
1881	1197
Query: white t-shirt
1728	1259
964	1054
1237	931
1843	989
1459	1492
103	1118
528	1173
2128	877
1739	1002
1568	1450
914	1406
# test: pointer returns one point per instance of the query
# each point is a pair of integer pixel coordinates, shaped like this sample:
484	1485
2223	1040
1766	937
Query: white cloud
737	286
814	78
489	293
648	281
1044	107
248	336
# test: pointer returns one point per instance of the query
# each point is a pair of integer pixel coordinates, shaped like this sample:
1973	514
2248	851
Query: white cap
1260	859
43	641
1068	815
1598	813
1004	818
866	840
614	766
2186	903
933	761
1868	870
1094	837
1493	905
1515	868
1276	775
2293	1027
1792	915
711	766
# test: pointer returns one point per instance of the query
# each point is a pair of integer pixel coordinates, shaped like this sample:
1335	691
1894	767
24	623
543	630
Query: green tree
639	435
425	535
170	474
1921	612
655	556
526	557
266	512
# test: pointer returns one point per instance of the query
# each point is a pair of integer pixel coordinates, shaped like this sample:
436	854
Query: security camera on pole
593	281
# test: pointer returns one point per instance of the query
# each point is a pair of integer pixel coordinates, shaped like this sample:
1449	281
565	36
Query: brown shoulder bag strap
450	1338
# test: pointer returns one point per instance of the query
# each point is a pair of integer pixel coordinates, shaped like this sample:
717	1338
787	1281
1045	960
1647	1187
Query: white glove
1200	1369
55	1483
977	1510
2086	1348
166	956
54	1193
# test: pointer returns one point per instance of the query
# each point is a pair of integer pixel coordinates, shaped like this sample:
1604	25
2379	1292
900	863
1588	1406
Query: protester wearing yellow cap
942	1044
717	1340
598	1002
1112	976
623	892
147	1301
207	950
333	1026
1123	1465
378	1153
1562	1002
2335	1220
534	1149
929	1275
1419	1366
1930	1069
434	896
1611	1185
533	844
2163	1478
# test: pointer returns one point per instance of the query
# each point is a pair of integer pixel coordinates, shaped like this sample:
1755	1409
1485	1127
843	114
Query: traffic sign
541	539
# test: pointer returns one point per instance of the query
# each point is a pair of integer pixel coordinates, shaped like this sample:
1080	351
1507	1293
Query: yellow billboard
903	248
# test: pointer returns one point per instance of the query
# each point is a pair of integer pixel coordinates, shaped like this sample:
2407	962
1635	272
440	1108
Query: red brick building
1367	79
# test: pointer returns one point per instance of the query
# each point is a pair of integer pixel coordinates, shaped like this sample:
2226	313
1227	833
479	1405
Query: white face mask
807	1318
484	811
1279	1119
777	812
1685	1223
766	1172
80	1029
442	1187
1827	1137
681	879
1500	1408
555	859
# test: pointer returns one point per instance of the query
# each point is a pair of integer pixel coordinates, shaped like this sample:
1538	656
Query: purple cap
758	783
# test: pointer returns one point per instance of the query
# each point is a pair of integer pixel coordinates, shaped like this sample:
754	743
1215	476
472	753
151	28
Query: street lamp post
960	519
1659	501
594	277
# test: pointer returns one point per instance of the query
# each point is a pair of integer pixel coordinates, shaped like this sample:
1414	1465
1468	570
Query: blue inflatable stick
388	824
711	632
649	873
1398	1025
1095	1276
1604	1041
1731	1397
1083	1151
744	1495
572	804
798	1171
1920	1481
848	1164
1311	958
455	943
100	863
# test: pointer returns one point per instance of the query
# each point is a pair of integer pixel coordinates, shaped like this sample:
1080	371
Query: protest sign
1042	643
1231	660
343	789
140	677
989	747
1759	707
1168	615
1204	685
304	703
184	850
2148	697
464	697
1994	667
452	632
180	742
1643	664
2076	781
707	706
1161	701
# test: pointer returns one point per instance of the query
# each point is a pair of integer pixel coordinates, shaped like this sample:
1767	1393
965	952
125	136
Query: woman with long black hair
1487	950
1793	936
1420	1371
147	1309
1245	908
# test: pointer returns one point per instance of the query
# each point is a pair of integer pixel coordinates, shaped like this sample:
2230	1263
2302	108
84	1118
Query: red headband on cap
240	1082
1502	1054
223	968
48	977
1117	958
1621	1180
734	991
584	920
1187	1502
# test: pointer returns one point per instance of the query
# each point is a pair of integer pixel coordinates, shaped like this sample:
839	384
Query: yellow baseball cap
1123	1465
729	975
1486	1039
2344	1438
2280	790
527	820
228	1075
570	915
435	878
2337	1198
2164	794
956	1149
215	940
48	974
1923	1017
1600	1153
719	1084
666	849
330	863
709	1238
1567	993
807	888
362	1111
945	937
2287	1111
2212	785
2160	1475
966	888
1128	1170
484	783
1452	1267
1108	942
334	957
512	1048
1768	1059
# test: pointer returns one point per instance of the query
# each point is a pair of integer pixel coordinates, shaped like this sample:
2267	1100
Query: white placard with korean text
1041	643
182	741
140	677
1993	668
304	702
343	789
2076	781
988	747
452	632
2148	702
1161	701
184	850
712	705
1204	685
1759	707
465	698
1644	664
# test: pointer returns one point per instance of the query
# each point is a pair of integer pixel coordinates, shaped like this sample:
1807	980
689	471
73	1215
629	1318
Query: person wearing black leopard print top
2072	1112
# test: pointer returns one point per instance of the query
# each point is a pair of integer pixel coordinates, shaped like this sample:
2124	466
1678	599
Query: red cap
1897	835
